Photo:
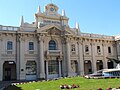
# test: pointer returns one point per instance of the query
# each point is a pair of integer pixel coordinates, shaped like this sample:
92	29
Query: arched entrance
74	67
31	70
9	70
99	64
53	69
87	67
110	64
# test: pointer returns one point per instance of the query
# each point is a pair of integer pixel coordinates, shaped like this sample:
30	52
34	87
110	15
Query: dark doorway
99	64
110	64
9	70
87	67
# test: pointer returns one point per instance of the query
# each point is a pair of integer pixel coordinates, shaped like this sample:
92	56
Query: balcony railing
11	28
97	36
54	53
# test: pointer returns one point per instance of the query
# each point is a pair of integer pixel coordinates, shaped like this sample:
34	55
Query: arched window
31	68
52	45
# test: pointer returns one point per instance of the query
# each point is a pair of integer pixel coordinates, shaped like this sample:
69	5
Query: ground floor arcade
52	69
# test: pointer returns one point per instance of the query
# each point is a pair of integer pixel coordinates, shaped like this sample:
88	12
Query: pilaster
104	56
1	70
68	56
93	56
64	58
46	69
1	63
21	60
18	56
41	56
80	61
59	62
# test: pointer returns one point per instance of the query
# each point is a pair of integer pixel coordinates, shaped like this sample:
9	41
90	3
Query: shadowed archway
9	70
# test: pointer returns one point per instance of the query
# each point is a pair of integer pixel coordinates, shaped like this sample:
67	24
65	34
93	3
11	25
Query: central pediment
54	29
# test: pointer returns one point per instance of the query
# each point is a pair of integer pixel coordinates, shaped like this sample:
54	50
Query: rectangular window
31	46
73	47
109	49
86	48
9	45
53	67
98	49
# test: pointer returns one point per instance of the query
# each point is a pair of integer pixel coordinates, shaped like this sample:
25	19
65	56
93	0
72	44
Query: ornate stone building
49	48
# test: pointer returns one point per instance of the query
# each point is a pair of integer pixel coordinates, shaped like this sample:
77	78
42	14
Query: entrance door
110	64
7	73
9	70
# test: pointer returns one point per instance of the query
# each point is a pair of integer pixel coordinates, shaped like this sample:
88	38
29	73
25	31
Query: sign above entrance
10	62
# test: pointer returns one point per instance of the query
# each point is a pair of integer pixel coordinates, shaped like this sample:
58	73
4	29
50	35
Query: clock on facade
51	9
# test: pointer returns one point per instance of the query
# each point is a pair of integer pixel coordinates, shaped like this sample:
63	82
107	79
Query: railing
97	36
54	52
11	28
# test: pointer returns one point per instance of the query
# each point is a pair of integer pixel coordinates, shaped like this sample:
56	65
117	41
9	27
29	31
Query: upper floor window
73	47
98	49
86	48
52	45
109	49
31	46
9	45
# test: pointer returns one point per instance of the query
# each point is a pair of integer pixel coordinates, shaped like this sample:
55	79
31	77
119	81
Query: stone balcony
31	53
53	53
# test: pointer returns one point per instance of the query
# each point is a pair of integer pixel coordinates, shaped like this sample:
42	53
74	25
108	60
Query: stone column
41	57
22	59
105	55
47	70
94	68
1	70
64	58
1	63
18	57
59	68
68	57
80	61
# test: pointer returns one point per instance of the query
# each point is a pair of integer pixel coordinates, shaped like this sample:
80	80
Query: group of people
69	86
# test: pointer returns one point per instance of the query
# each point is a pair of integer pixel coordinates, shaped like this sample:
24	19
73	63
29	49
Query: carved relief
54	32
40	37
20	37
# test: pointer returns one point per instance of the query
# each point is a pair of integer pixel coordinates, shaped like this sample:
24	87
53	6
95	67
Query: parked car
105	73
95	74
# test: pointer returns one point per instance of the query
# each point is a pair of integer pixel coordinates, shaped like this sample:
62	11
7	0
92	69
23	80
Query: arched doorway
99	64
87	67
31	70
9	70
74	67
110	64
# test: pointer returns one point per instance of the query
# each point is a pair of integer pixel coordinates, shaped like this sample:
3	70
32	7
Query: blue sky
94	16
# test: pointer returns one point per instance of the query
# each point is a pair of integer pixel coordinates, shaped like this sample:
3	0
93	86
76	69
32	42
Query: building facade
48	48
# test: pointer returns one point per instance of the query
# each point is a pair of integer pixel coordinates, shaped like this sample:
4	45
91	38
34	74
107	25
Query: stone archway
9	70
87	67
31	70
99	64
110	64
